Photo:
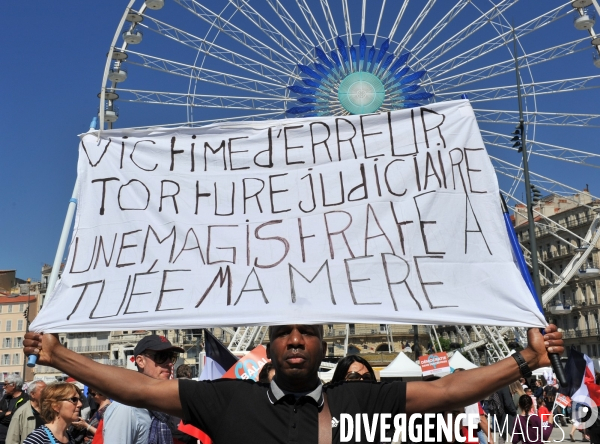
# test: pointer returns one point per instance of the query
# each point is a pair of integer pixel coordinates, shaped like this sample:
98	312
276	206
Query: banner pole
62	243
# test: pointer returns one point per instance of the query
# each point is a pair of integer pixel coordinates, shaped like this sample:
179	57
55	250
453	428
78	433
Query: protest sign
563	400
249	366
384	218
436	364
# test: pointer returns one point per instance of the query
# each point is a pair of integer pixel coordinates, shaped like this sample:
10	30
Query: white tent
459	361
401	367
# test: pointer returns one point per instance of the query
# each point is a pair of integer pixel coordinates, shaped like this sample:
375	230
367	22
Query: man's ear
139	362
268	350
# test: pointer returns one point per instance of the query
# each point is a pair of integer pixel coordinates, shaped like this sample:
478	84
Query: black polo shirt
231	410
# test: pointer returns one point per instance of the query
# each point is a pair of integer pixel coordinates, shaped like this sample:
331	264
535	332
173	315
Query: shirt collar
275	393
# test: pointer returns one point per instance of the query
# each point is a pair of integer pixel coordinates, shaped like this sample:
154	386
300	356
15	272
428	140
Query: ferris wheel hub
361	93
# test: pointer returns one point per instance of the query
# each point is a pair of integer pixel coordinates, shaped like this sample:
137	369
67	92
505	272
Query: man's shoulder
21	408
115	409
224	384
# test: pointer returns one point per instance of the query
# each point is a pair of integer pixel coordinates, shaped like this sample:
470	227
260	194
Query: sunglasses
163	356
92	394
355	376
75	400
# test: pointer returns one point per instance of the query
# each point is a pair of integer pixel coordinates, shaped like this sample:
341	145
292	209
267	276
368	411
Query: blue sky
53	58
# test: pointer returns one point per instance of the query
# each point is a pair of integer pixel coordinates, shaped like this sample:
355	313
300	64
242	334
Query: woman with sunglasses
60	407
91	426
353	368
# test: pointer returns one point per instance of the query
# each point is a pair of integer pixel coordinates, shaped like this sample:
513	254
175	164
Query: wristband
523	367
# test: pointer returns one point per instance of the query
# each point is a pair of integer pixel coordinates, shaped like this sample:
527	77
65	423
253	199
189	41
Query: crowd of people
289	404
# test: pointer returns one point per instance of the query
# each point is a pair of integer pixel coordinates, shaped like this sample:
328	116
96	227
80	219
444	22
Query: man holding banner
383	218
289	409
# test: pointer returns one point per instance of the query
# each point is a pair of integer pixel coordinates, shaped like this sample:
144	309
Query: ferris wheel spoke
267	28
397	21
439	26
236	33
206	75
241	118
413	28
329	19
347	22
363	16
201	100
486	72
531	89
467	31
291	24
379	22
218	52
313	24
544	149
542	182
537	118
500	40
198	123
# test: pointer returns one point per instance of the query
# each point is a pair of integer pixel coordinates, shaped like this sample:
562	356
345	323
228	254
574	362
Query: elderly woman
61	406
13	398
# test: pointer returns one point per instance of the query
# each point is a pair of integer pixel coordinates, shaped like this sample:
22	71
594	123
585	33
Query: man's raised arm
463	388
126	386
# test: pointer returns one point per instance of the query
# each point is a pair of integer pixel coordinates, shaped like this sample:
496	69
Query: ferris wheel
193	62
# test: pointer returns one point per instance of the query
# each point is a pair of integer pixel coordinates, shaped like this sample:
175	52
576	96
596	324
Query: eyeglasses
355	376
163	356
92	394
75	400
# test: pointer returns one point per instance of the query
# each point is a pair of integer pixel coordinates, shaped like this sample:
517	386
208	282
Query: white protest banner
383	218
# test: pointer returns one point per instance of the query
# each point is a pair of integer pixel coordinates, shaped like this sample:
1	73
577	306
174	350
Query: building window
18	342
16	359
6	343
352	329
8	325
21	307
20	325
5	359
331	349
10	308
382	328
0	308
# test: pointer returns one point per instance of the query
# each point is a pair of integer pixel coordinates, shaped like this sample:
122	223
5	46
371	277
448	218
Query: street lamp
554	358
520	142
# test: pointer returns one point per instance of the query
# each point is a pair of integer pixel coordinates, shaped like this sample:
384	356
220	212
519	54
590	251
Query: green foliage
445	343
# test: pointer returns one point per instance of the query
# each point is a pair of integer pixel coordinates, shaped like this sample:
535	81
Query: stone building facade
575	308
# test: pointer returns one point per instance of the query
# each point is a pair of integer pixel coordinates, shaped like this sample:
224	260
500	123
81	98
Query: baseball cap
154	343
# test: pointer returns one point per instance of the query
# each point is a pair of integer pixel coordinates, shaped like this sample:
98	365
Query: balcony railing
541	230
370	330
580	333
89	348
